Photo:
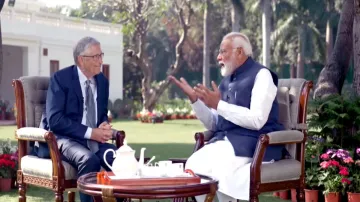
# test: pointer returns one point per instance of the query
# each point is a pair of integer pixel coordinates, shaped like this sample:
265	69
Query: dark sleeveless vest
236	89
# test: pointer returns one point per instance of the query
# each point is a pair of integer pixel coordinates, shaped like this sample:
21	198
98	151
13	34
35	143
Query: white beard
227	69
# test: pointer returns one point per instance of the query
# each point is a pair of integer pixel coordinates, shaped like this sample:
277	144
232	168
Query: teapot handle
114	156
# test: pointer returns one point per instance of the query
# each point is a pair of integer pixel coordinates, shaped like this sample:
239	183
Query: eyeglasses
222	51
94	57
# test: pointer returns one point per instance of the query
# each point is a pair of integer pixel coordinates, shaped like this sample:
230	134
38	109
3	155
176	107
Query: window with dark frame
54	66
106	71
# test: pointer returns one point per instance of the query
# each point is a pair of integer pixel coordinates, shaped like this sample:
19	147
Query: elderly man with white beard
238	111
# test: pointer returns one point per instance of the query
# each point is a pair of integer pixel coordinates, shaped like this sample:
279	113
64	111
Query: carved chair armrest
118	137
38	134
201	138
273	138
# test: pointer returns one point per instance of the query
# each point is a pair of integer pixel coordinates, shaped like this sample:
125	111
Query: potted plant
314	147
8	165
353	181
6	170
333	172
14	157
312	184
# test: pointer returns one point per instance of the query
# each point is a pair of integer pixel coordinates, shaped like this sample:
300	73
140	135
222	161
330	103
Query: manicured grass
170	139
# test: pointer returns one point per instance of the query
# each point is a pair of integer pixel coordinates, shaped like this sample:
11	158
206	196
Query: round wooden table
87	184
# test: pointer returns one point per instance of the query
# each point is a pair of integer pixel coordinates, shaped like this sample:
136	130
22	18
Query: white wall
59	34
31	57
56	27
62	53
12	68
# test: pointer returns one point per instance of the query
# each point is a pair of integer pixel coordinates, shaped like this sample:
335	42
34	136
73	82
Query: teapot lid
125	148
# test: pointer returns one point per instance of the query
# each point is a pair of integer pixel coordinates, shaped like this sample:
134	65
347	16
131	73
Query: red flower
345	180
344	171
334	163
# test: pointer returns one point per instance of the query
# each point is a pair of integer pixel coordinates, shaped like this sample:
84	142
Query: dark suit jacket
64	104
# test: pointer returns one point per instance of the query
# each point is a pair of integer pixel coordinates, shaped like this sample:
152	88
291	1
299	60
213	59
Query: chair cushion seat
283	170
41	167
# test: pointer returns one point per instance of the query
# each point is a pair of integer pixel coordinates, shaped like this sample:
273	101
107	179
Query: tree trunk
356	35
332	76
1	53
206	58
236	13
329	32
152	94
293	71
266	32
300	58
329	40
293	65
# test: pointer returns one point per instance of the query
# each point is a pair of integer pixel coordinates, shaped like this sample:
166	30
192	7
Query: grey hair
240	40
82	46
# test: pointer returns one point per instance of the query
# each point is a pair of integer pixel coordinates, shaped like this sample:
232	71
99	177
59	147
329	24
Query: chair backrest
30	95
34	98
290	98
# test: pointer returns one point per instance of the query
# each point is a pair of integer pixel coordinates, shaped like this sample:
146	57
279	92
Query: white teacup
151	171
164	167
163	164
175	169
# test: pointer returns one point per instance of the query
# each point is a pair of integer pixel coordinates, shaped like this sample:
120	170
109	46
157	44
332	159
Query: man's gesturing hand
210	98
101	135
188	90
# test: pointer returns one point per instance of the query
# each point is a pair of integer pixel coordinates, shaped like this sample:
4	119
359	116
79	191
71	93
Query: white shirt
262	97
82	79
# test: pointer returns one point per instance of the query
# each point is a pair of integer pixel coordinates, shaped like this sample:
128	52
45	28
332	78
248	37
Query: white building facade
40	43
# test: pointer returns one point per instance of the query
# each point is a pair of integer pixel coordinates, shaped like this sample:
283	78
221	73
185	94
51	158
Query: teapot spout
141	160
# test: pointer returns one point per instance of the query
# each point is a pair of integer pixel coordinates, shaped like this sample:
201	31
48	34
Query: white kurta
218	159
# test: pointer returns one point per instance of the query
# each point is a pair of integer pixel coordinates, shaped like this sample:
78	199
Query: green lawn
170	139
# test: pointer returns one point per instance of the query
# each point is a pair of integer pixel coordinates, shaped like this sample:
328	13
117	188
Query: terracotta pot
293	195
332	197
284	194
311	195
353	197
5	184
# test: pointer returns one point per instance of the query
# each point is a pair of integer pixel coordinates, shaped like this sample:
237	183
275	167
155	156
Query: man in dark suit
76	110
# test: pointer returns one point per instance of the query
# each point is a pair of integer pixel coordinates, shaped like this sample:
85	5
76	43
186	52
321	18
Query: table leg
108	199
108	195
210	196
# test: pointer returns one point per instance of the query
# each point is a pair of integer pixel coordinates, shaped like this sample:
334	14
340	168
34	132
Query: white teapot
125	164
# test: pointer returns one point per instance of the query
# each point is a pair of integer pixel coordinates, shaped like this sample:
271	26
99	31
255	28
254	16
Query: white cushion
283	170
41	167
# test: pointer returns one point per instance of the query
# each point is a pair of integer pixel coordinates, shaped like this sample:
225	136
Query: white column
25	56
33	67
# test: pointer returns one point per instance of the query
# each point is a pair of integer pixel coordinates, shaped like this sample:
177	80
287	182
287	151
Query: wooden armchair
53	173
287	173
